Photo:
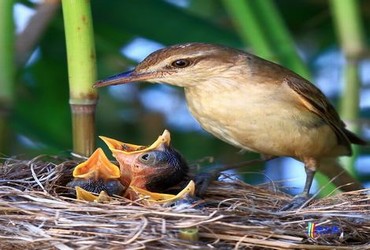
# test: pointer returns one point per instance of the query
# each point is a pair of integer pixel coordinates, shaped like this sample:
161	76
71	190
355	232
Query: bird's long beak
97	166
125	77
128	149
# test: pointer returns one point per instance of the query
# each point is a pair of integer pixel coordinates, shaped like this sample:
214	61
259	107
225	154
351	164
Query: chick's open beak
82	194
97	167
160	198
96	175
134	172
129	149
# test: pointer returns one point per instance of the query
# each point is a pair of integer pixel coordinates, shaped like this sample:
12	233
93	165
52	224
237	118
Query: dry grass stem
37	212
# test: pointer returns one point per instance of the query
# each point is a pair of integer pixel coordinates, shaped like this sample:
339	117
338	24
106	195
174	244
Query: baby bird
155	168
97	174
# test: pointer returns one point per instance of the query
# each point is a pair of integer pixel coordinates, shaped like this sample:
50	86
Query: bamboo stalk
7	72
346	17
82	73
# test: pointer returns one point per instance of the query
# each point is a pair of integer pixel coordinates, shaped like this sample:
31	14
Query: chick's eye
181	63
148	158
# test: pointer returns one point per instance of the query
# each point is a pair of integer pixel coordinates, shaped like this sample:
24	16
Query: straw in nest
37	213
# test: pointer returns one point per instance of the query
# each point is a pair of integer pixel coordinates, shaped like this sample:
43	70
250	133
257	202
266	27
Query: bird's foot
299	201
203	180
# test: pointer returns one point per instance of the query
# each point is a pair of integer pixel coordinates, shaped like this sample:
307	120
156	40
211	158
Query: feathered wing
315	101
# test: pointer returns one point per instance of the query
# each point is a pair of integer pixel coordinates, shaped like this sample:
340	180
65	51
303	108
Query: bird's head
154	168
183	65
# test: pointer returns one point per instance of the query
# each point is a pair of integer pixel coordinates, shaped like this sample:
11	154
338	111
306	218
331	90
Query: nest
37	212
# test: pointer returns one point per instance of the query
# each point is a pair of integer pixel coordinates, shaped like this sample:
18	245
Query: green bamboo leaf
159	21
249	28
280	37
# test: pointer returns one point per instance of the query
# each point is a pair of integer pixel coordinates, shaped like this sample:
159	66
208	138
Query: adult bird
252	104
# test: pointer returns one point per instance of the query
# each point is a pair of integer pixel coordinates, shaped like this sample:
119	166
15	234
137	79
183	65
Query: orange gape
153	168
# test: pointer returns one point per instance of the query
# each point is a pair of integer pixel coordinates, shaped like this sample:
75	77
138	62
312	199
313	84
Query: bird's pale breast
265	120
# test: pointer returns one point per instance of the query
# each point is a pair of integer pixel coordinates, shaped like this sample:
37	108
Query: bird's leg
309	179
300	199
203	180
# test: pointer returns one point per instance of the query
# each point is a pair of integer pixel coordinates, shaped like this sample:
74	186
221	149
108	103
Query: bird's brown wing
315	101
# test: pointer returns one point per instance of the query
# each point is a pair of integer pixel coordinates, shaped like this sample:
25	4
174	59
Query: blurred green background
302	35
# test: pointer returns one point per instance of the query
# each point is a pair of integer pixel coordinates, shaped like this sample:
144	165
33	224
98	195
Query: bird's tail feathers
353	138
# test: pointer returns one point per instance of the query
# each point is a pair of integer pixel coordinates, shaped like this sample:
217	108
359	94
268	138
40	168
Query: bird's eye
148	158
181	63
